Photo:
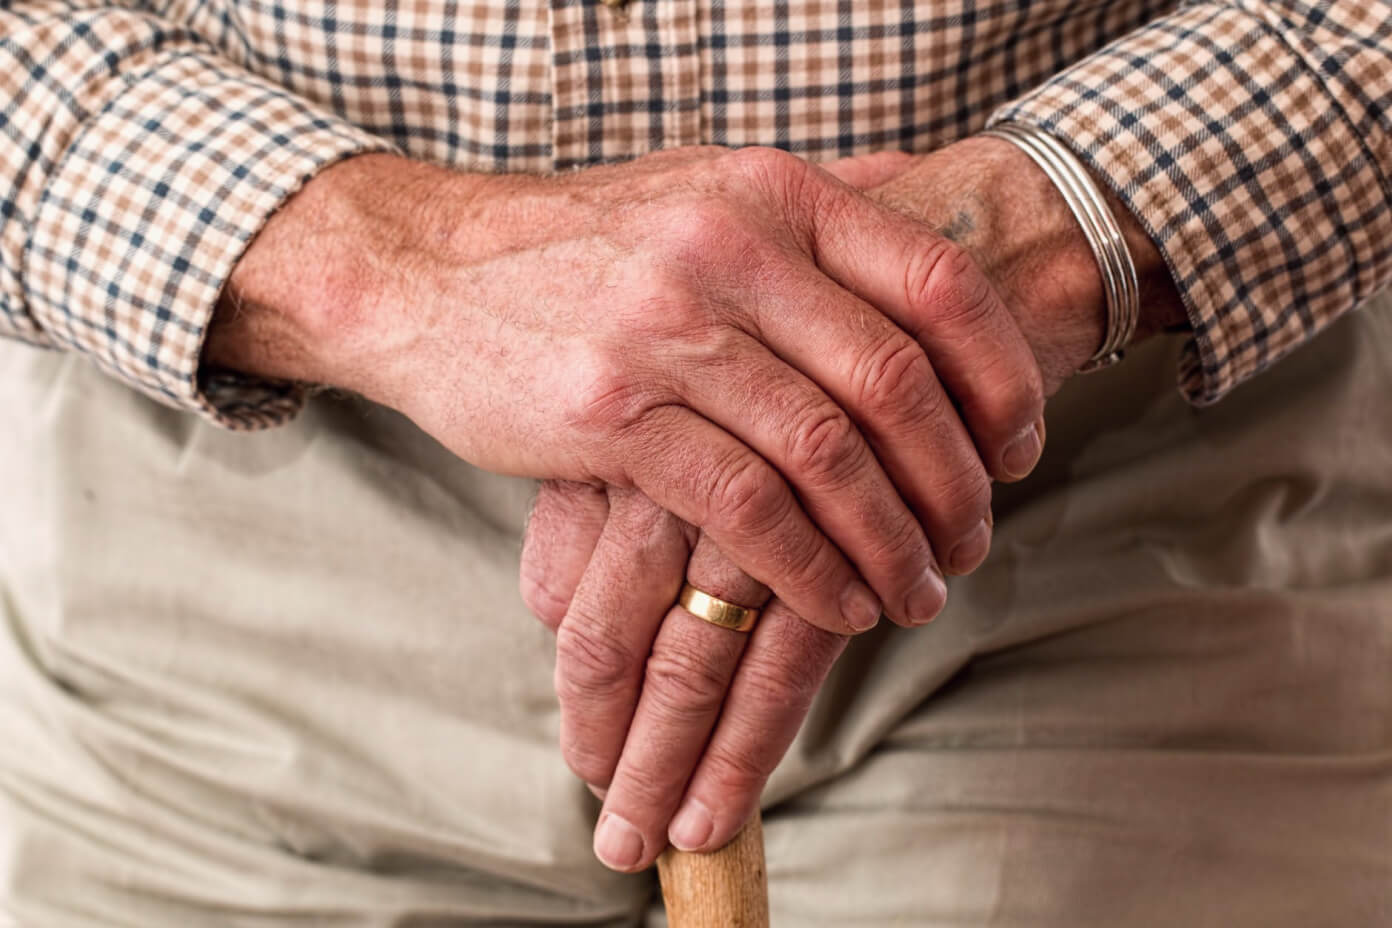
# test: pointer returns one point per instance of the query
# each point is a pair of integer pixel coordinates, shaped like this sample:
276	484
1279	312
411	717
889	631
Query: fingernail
692	827
859	606
971	550
927	597
1022	453
617	844
599	791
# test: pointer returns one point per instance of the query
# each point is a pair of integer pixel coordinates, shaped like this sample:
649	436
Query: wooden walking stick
727	888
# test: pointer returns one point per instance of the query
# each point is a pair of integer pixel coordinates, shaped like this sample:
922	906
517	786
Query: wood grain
727	888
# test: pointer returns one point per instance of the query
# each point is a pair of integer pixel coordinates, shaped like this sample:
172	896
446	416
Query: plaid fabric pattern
135	165
143	143
1254	142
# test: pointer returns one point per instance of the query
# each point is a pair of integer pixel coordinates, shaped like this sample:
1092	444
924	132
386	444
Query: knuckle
746	496
590	665
895	375
810	652
1012	402
945	286
768	165
585	760
647	529
607	397
1026	393
967	493
538	595
787	178
704	238
649	784
1029	396
670	307
823	442
559	501
739	771
778	686
934	406
716	349
696	225
683	686
897	549
612	395
676	320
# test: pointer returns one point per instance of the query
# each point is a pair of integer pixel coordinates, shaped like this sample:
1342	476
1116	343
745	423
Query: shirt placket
625	79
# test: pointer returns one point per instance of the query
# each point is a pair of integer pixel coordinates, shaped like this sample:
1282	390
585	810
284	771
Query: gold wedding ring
717	611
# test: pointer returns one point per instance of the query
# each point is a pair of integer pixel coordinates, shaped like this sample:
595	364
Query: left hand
683	746
642	682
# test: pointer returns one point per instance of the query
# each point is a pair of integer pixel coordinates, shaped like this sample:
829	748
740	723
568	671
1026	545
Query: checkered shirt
144	142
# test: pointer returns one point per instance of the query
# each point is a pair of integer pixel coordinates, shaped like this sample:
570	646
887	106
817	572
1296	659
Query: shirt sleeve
135	167
1251	140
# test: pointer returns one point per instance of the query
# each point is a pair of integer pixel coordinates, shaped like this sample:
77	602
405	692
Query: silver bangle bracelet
1120	285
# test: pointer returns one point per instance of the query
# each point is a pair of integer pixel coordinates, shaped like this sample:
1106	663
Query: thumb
564	527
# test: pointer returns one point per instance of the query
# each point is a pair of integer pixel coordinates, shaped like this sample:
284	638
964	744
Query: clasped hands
916	385
737	368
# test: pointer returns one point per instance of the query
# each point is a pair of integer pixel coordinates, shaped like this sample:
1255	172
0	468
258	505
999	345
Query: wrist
1006	210
1038	255
335	284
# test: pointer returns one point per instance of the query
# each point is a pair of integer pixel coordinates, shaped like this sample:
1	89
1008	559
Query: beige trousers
285	679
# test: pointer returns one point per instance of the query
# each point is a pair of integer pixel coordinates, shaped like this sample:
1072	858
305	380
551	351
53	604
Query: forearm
305	303
330	290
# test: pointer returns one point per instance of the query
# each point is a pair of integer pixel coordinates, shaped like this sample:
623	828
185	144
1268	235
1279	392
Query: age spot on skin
959	228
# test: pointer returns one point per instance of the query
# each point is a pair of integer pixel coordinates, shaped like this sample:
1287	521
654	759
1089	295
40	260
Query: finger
684	685
934	290
604	640
794	425
562	531
883	378
707	477
866	171
783	667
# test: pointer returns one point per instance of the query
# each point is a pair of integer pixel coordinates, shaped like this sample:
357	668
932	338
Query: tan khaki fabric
285	679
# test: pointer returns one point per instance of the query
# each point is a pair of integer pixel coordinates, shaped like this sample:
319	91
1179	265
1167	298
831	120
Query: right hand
728	332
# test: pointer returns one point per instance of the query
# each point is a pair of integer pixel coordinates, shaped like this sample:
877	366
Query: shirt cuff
150	207
1218	133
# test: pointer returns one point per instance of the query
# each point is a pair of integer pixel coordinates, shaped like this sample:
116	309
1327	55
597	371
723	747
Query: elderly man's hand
756	346
679	695
685	745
